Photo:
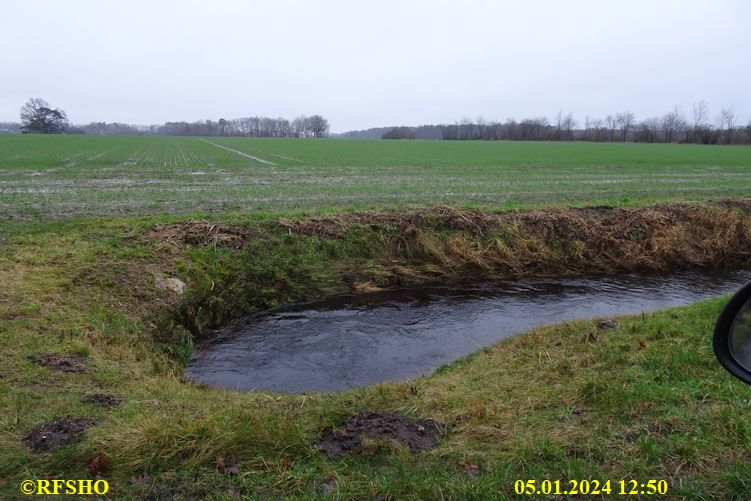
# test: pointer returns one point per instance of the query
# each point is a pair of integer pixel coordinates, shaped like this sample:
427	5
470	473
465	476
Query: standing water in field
352	340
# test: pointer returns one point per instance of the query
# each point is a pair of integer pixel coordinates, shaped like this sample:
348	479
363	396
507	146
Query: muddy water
350	341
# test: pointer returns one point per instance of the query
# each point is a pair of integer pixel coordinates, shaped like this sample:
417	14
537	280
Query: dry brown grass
443	242
194	232
428	244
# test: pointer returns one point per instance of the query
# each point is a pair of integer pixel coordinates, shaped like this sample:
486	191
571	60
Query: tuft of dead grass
192	232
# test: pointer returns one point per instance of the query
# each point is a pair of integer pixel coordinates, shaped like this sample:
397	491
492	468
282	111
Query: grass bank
235	268
644	401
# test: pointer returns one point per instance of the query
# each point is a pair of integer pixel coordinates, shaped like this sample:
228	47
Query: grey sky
366	64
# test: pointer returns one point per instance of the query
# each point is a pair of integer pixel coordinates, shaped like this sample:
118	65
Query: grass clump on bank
645	400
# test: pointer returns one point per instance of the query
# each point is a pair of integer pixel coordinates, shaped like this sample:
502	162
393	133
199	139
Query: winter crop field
62	176
100	315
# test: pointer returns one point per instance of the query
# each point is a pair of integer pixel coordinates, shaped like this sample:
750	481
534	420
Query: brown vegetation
193	232
446	242
370	250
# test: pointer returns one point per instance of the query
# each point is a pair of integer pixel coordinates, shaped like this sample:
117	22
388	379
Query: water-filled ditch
354	340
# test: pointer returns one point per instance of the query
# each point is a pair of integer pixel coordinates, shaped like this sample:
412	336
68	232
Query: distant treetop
38	116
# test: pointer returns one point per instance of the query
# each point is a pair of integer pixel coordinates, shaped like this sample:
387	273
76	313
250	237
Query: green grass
84	175
644	401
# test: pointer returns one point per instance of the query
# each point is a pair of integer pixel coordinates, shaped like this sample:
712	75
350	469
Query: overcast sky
376	63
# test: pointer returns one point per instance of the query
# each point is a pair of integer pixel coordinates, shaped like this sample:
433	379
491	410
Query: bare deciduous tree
612	124
598	133
318	126
671	124
700	128
38	116
625	121
728	123
648	131
569	124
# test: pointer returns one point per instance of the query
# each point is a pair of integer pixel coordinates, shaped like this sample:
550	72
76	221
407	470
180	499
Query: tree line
400	132
38	116
673	127
302	126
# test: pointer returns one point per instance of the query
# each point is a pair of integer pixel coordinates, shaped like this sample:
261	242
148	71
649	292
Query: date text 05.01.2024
591	487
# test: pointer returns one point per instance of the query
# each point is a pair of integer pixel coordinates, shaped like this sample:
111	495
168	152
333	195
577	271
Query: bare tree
482	126
559	125
700	129
38	116
299	126
597	128
625	121
728	123
587	129
542	124
671	124
223	127
648	130
569	124
612	124
318	126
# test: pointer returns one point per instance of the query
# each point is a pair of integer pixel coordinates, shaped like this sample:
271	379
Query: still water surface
350	341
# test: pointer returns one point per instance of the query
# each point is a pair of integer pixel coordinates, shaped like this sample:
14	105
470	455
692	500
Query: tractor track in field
261	160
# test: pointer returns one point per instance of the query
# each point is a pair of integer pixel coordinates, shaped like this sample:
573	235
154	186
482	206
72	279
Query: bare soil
51	435
337	443
103	400
419	435
65	363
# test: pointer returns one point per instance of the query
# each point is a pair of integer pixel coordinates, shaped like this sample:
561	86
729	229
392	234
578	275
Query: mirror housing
732	335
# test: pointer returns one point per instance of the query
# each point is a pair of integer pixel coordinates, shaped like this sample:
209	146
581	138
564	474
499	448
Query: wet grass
64	176
646	400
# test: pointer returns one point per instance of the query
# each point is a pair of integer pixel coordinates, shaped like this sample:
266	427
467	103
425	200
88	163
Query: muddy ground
418	435
51	435
66	363
102	400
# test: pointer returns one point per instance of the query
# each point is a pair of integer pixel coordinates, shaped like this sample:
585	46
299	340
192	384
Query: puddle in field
350	341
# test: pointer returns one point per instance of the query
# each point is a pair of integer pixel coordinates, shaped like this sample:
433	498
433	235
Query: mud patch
51	435
65	363
102	400
337	443
419	435
189	233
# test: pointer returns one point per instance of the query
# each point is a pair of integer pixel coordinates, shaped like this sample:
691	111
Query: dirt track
256	159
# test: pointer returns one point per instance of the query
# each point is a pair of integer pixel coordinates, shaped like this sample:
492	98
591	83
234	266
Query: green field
84	312
84	175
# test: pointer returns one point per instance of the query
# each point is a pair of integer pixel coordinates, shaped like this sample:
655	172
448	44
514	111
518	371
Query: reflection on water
740	336
351	341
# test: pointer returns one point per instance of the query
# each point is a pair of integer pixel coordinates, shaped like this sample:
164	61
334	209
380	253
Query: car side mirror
732	335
